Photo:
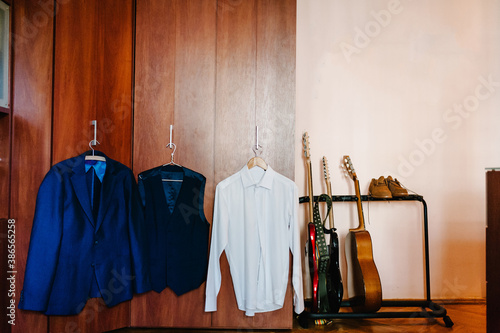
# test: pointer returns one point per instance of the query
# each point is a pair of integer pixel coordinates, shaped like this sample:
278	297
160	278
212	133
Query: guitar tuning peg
343	170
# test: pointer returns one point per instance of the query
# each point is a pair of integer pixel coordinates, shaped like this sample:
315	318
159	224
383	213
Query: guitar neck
359	205
330	213
311	195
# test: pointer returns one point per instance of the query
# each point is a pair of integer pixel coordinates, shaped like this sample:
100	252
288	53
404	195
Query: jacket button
96	242
93	265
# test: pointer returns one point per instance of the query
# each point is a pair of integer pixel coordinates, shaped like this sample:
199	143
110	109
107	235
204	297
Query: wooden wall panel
4	164
195	86
93	80
75	76
5	287
31	133
114	94
6	245
212	68
182	47
154	82
255	86
275	86
235	90
95	317
4	215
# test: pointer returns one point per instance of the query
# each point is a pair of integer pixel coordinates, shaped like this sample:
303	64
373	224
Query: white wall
402	87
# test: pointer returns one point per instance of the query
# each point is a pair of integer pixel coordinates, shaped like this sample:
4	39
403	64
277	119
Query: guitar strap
324	257
323	254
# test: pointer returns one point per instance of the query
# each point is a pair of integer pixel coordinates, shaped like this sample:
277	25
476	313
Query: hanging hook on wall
94	142
257	147
171	144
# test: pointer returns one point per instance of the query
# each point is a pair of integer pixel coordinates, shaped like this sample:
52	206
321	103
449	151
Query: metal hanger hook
257	150
93	143
172	146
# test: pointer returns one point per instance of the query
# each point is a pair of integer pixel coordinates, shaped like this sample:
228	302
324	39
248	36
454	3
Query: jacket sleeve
137	238
45	242
295	248
217	245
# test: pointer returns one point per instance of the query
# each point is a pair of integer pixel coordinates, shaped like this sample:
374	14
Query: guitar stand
436	310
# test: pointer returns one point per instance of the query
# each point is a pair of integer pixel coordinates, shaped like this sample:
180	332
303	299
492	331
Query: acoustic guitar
363	273
334	285
317	250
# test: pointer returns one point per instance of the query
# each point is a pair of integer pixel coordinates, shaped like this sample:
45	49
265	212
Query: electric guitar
317	249
334	285
363	273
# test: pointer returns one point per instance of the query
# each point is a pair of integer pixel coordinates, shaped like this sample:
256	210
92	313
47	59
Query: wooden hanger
95	157
257	161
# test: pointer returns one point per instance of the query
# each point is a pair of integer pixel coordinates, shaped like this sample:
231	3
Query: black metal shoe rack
434	310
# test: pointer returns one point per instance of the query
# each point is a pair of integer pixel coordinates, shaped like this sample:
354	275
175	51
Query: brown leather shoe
378	188
395	187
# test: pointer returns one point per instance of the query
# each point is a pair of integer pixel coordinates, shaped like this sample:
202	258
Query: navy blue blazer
74	256
178	231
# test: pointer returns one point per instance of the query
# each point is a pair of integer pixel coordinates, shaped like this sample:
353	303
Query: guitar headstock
326	172
349	167
305	145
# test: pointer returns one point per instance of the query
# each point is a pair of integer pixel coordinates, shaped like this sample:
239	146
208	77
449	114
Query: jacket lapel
80	186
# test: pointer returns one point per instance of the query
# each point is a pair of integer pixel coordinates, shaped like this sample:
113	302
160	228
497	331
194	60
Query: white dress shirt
255	222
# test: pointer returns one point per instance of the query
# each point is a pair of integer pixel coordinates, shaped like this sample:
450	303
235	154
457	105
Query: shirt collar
266	181
98	166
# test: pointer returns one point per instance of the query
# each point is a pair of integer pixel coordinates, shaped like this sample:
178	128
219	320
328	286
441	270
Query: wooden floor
467	318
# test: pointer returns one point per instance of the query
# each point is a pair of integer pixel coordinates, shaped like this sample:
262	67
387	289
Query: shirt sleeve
217	245
295	248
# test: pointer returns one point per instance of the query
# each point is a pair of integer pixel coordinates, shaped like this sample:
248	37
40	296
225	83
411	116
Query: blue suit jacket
71	252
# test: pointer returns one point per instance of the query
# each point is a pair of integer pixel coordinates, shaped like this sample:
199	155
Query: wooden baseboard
450	301
461	301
